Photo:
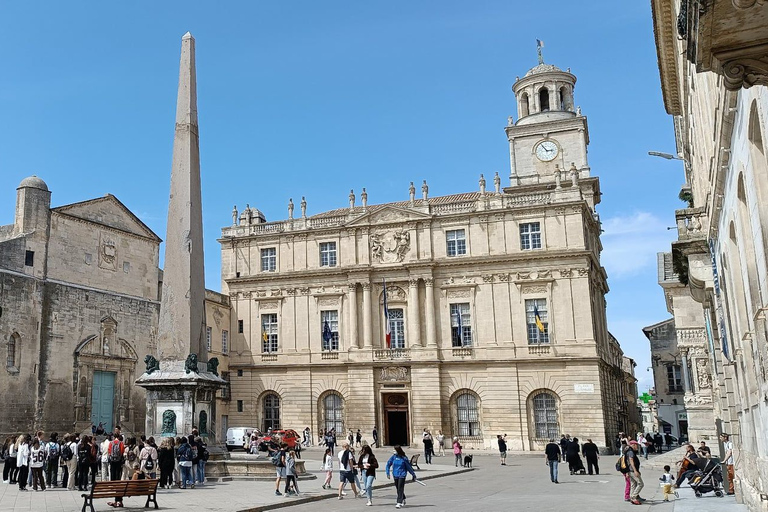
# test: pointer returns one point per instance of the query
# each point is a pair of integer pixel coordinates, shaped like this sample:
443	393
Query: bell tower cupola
543	94
548	142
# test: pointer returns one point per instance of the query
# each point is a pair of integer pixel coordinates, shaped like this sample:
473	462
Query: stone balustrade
461	207
392	354
540	349
692	224
527	199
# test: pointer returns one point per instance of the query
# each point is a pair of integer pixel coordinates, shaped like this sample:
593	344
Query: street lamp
666	156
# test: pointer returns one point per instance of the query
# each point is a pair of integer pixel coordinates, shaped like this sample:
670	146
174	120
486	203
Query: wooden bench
122	488
415	461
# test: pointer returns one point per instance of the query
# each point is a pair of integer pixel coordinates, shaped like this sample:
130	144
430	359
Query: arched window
12	360
565	100
545	416
544	99
271	412
333	413
467	415
525	107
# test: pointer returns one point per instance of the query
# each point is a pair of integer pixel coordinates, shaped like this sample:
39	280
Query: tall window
240	326
333	412
269	259
329	329
468	418
10	362
397	328
271	412
269	332
456	242
545	416
530	236
544	99
537	320
461	325
225	342
208	336
225	391
328	254
674	378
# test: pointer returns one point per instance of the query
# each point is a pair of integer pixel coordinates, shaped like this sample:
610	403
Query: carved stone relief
394	294
704	378
268	305
390	246
328	301
107	253
394	374
459	294
533	288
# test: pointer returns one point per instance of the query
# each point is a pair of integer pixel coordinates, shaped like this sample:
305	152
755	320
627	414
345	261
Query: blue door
102	399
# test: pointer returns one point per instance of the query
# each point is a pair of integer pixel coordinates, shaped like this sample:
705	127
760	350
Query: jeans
458	459
82	475
115	473
52	472
553	470
186	476
400	486
369	486
644	449
37	478
428	454
105	471
200	471
636	485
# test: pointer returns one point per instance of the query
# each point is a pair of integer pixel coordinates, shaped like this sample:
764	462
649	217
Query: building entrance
396	419
102	399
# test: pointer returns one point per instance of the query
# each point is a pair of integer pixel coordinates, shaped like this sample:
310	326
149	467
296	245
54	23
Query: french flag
387	330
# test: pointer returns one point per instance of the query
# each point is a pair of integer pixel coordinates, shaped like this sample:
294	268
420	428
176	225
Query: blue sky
314	98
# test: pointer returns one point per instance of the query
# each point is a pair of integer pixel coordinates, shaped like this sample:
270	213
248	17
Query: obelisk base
178	401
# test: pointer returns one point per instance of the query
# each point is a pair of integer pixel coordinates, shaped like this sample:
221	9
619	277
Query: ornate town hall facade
495	301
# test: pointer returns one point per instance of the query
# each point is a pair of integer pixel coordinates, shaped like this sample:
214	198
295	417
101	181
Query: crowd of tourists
82	460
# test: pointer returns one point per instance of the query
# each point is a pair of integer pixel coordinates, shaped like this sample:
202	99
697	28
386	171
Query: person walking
346	469
457	451
328	468
440	443
502	440
428	445
291	482
667	480
375	436
658	441
368	465
591	452
358	439
728	460
564	440
635	478
643	444
668	441
401	467
552	457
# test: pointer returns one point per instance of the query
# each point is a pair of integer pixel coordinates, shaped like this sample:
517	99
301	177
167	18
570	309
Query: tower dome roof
33	182
543	68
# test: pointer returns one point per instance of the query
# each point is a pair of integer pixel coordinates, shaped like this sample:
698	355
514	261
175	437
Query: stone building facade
494	299
712	60
671	376
79	300
79	305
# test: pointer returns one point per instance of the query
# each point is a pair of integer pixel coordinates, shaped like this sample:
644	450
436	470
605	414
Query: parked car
287	436
240	437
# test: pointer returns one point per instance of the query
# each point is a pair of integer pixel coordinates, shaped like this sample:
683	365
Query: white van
239	437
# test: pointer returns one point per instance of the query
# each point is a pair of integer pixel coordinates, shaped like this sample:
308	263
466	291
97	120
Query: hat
634	442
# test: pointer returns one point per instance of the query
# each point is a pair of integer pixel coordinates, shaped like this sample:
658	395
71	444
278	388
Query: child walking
328	468
667	480
291	483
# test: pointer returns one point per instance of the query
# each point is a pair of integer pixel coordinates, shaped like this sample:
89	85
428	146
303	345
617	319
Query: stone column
686	378
430	312
367	327
414	323
354	336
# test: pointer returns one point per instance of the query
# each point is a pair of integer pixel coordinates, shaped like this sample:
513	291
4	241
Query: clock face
546	151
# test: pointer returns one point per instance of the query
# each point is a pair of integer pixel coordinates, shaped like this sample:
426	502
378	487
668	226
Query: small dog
468	461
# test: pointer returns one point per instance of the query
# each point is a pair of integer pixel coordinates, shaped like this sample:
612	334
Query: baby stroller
707	478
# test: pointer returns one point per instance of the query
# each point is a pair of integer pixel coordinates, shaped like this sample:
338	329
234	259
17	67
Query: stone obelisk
181	382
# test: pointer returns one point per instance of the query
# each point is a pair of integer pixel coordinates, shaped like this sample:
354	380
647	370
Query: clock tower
550	136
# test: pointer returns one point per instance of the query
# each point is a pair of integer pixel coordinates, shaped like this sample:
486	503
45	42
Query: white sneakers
369	503
398	506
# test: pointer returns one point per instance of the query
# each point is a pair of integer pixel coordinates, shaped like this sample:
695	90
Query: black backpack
115	453
83	453
66	453
149	464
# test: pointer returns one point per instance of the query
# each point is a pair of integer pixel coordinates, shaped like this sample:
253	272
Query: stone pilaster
414	322
367	327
